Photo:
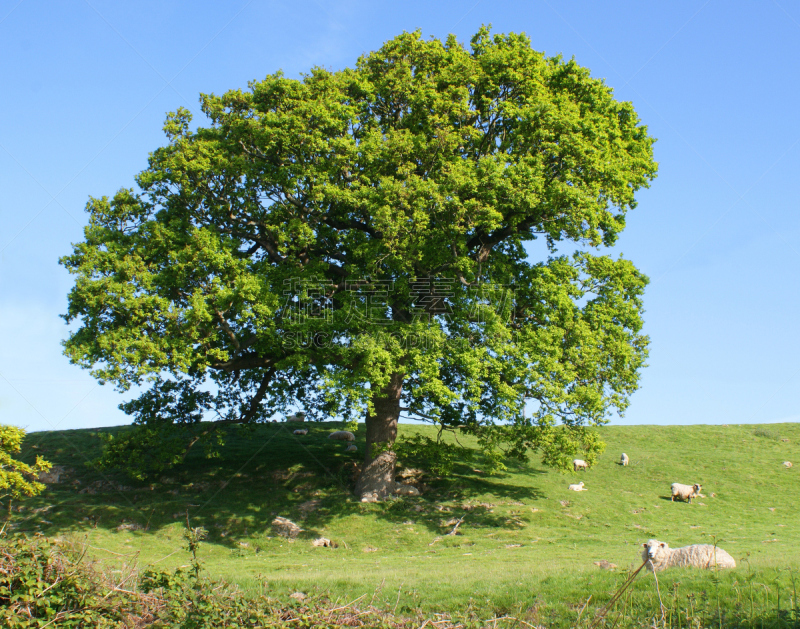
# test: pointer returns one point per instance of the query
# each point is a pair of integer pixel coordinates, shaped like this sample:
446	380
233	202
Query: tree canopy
353	243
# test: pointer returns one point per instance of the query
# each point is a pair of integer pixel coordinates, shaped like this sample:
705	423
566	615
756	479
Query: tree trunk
377	476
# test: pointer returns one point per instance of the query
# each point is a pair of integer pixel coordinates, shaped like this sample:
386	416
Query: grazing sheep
659	556
297	417
342	435
301	432
685	492
578	487
579	464
623	460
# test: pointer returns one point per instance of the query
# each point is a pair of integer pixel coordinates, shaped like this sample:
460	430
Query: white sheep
342	435
297	417
623	460
351	448
659	556
300	432
579	464
578	487
685	492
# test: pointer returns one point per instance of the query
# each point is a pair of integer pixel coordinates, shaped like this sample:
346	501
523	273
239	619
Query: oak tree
360	243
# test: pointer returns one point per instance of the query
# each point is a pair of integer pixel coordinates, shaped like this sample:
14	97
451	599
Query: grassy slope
386	548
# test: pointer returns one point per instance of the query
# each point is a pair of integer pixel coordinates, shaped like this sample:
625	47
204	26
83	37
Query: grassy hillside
526	547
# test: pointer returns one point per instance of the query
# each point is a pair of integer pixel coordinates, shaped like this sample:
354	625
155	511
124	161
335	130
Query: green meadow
525	548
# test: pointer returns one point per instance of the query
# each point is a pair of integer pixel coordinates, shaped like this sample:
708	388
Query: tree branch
245	361
227	329
260	393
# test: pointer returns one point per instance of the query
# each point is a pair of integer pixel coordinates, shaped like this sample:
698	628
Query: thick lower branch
258	397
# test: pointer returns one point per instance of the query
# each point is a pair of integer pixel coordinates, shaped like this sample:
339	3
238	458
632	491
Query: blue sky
87	85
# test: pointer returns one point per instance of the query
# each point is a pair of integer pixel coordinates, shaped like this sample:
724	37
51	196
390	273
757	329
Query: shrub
48	584
767	434
41	585
18	479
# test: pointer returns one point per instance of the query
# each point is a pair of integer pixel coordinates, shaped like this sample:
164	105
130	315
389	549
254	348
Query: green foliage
431	455
193	537
192	602
326	236
18	479
41	584
144	453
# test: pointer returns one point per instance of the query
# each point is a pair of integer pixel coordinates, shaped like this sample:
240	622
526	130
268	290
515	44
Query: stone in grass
410	472
324	542
605	565
309	506
286	528
53	476
406	490
298	596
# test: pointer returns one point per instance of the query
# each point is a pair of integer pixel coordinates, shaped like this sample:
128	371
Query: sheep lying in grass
579	464
342	435
300	432
578	487
685	492
660	556
623	460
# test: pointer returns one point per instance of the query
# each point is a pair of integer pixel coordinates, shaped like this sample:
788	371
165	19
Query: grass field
526	547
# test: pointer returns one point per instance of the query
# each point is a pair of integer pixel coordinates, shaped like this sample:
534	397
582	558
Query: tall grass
766	433
719	601
527	548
